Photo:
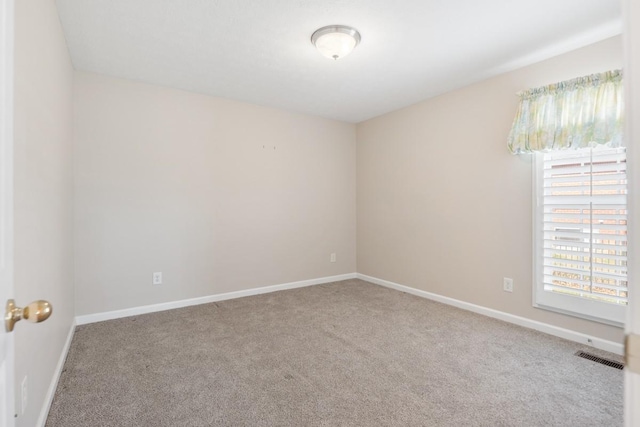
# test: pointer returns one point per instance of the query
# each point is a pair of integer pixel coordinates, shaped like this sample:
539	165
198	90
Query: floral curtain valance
568	115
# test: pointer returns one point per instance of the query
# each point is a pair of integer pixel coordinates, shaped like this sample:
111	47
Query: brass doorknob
36	312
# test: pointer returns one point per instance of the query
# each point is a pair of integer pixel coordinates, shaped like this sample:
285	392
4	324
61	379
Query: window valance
573	114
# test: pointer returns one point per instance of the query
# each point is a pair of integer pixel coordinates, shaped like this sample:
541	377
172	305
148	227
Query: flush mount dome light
335	41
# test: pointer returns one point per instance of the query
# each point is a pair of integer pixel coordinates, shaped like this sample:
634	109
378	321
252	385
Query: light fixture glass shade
335	41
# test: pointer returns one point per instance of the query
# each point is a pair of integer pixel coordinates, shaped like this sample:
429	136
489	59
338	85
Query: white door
631	14
6	209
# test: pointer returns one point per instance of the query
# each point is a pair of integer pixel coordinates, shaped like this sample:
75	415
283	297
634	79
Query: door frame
7	351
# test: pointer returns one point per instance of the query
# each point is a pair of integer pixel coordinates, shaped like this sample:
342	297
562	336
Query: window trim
610	314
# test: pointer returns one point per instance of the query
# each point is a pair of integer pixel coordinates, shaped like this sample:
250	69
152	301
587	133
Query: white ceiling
260	52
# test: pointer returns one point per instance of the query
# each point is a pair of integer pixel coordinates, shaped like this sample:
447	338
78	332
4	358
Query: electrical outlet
157	278
507	284
24	394
333	257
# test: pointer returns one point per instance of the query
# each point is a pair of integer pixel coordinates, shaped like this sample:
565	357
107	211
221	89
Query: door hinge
632	353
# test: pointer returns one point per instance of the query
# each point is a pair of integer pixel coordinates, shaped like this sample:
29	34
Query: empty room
335	213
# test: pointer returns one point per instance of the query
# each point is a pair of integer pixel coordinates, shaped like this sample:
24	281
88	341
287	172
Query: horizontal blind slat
550	252
620	246
570	201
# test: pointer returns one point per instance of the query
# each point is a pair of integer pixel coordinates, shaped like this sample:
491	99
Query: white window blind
584	224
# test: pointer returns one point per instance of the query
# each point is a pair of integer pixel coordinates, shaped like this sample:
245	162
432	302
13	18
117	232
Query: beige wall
218	195
43	194
442	205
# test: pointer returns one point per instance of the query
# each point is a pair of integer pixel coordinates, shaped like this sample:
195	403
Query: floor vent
600	360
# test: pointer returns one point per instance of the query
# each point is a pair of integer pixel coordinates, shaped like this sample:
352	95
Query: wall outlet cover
157	278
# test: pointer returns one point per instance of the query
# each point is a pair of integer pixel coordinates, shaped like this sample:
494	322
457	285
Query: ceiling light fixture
335	41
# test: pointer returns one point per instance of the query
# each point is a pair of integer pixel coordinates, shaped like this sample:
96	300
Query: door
631	16
6	209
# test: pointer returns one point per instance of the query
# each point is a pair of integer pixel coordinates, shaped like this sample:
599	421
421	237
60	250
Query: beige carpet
340	354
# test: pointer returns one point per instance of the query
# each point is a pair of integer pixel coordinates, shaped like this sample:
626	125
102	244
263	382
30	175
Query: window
575	131
581	232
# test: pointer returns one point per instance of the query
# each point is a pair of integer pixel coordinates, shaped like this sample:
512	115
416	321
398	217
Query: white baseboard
134	311
613	347
48	399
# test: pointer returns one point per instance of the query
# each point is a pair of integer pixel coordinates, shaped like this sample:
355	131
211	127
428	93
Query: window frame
597	311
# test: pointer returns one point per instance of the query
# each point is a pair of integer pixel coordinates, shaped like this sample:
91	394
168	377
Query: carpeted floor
341	354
